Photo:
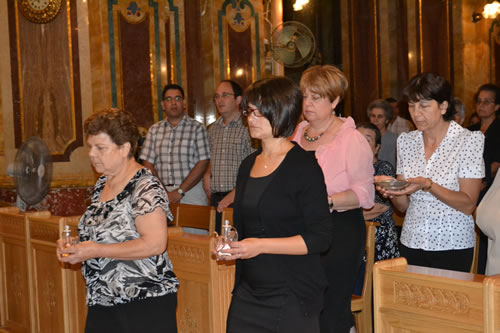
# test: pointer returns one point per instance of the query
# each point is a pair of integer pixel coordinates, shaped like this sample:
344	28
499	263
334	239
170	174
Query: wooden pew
492	304
205	284
59	289
16	294
39	294
421	299
361	306
194	216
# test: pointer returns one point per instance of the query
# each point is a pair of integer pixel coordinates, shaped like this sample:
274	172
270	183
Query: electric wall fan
292	44
32	171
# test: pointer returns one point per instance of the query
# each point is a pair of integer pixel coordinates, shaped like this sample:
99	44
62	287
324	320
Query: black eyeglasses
223	96
170	99
247	112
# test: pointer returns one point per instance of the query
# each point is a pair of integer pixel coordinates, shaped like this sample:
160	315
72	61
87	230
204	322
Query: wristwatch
181	192
428	187
330	203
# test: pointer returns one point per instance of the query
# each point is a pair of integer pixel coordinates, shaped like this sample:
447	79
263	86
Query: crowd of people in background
300	199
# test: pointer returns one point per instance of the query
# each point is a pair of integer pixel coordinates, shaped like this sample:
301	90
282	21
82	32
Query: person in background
474	119
281	214
380	114
488	220
487	100
459	117
229	145
397	124
177	151
442	163
386	237
123	236
346	160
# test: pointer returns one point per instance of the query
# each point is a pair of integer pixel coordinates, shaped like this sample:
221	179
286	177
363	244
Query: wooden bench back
194	216
361	306
433	300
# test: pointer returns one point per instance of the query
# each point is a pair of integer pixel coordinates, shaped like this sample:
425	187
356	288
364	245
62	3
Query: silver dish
392	185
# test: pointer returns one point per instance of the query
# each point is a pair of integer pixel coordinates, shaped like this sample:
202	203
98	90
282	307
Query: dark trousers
455	260
215	198
342	263
152	315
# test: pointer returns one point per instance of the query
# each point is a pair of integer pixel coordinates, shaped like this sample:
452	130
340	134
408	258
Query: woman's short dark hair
428	86
384	105
370	126
118	124
279	99
489	87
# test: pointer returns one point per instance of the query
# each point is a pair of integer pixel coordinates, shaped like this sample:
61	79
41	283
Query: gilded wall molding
238	15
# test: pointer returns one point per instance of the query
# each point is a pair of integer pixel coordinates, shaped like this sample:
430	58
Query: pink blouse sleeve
359	168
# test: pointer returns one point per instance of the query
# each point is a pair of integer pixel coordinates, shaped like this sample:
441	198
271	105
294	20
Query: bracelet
428	188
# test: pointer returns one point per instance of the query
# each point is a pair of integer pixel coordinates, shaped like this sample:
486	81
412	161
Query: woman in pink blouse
346	160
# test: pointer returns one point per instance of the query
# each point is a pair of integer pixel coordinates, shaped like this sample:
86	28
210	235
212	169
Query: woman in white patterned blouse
443	163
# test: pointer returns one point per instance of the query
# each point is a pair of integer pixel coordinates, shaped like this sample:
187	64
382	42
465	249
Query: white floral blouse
429	223
113	281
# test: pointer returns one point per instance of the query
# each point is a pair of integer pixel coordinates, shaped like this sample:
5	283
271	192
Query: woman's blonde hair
327	81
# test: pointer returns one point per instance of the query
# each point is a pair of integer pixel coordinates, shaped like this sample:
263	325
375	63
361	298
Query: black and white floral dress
386	237
113	281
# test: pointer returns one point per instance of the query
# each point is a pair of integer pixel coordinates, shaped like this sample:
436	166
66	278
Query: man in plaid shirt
176	150
229	145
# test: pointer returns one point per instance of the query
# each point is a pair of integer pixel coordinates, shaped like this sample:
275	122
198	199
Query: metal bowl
392	185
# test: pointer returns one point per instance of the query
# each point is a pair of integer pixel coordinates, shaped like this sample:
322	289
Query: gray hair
381	104
459	107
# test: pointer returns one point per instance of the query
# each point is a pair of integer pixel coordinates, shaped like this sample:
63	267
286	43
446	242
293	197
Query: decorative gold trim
40	16
421	41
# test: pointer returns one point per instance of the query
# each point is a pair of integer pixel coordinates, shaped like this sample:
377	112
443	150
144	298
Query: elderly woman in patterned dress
123	236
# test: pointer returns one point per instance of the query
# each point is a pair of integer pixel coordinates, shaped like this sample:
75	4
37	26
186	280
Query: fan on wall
32	171
292	44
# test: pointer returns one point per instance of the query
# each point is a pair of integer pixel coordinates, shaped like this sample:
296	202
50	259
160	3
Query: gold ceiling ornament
40	11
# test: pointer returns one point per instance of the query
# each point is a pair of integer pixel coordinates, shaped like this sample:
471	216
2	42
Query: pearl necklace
314	138
317	137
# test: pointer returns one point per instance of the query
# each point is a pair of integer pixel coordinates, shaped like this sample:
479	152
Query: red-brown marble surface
59	201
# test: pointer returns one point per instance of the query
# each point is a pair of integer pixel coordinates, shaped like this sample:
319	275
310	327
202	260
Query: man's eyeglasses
484	101
170	99
223	96
248	112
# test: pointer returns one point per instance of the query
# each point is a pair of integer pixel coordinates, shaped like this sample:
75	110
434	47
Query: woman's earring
333	112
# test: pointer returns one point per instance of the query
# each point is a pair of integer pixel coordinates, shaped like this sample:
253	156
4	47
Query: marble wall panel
436	47
45	80
136	70
363	56
59	201
239	48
